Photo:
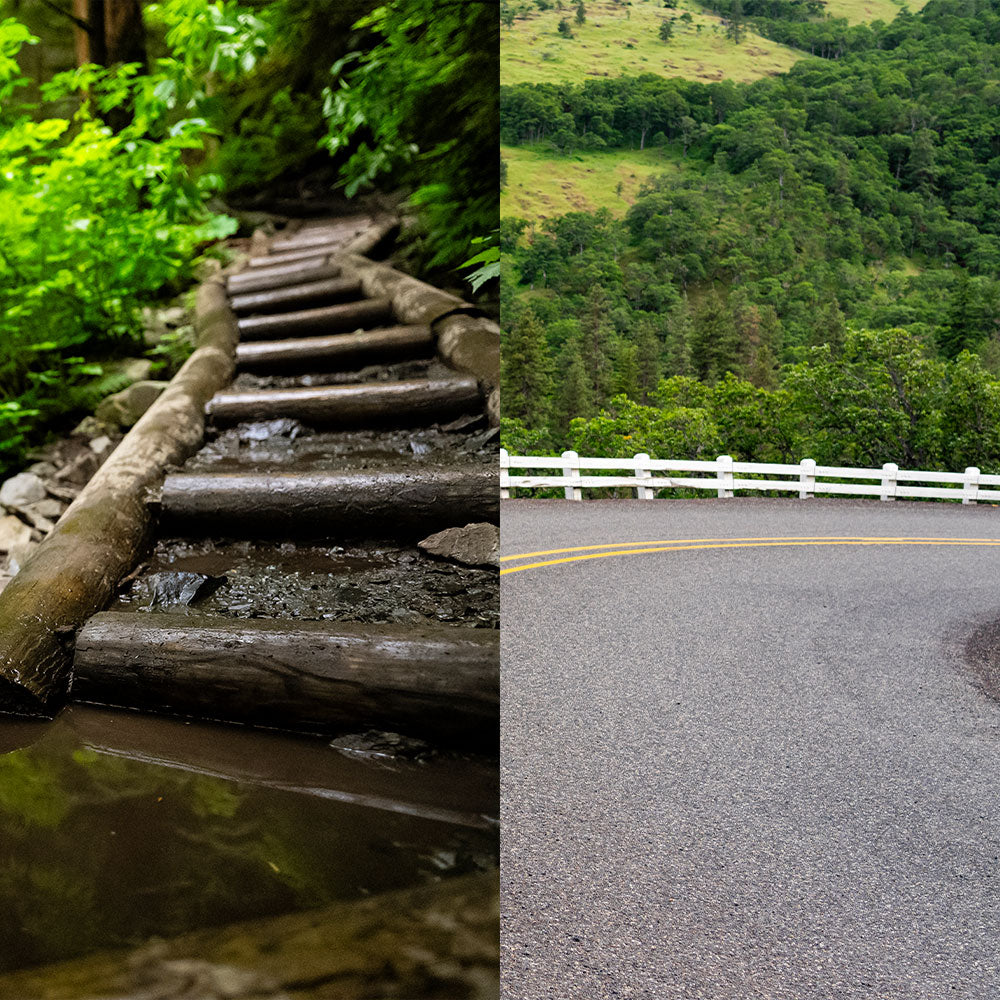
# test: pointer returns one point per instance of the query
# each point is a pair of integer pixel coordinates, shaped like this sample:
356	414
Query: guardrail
725	477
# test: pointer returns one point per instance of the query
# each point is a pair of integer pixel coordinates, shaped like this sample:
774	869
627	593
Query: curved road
750	772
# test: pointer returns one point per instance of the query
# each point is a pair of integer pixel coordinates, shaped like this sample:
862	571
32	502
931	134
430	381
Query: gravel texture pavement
750	773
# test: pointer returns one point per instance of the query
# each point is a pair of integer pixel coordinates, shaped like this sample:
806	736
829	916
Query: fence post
889	473
642	472
725	474
571	469
807	478
504	474
970	488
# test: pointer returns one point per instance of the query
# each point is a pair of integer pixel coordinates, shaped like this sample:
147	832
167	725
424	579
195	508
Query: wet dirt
292	446
115	827
362	582
403	371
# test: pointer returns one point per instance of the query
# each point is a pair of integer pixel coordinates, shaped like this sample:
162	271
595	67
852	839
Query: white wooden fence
724	476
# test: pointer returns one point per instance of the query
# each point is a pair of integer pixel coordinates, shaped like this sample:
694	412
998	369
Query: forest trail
286	588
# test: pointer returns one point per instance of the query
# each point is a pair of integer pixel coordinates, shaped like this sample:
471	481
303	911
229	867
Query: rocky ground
35	498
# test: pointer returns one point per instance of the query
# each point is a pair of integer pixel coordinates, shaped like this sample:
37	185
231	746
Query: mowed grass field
621	40
542	186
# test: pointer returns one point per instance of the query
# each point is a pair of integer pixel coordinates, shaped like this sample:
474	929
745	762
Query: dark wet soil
289	445
115	827
366	582
405	370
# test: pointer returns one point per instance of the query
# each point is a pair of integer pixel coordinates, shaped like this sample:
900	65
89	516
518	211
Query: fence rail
725	477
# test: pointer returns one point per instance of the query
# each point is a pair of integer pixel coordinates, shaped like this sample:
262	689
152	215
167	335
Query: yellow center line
686	545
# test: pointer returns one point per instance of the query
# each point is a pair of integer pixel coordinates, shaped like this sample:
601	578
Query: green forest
134	137
817	275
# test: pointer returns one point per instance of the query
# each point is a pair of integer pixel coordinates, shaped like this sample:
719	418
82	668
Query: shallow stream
116	827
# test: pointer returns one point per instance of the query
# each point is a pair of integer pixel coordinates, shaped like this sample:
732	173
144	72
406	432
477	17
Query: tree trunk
326	319
366	404
309	293
344	350
409	502
306	676
430	942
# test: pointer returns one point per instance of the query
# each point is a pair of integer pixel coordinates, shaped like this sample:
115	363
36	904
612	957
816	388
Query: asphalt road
766	772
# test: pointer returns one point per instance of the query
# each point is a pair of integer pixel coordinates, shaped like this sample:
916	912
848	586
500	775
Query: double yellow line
689	544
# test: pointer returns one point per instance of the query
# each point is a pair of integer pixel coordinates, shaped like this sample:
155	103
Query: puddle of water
115	827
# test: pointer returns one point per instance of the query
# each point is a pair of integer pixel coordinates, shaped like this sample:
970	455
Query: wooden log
309	293
414	301
341	350
440	940
291	257
441	683
463	789
326	319
397	502
262	278
74	572
365	405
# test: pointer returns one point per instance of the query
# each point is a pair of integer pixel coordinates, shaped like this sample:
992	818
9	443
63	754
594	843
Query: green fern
90	393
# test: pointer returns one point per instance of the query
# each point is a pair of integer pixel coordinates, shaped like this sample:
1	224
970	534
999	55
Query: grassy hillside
866	11
541	186
618	39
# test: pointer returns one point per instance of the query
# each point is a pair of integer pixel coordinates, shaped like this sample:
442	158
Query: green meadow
542	185
618	39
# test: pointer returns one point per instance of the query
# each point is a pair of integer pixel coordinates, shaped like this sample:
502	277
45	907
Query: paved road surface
749	772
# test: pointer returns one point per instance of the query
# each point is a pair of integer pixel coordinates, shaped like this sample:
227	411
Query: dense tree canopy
856	194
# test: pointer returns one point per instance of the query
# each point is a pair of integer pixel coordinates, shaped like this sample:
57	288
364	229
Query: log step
291	256
310	293
310	676
262	278
395	343
364	405
325	319
411	501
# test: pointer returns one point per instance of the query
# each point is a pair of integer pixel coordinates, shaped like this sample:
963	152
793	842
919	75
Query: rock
169	589
51	509
13	532
493	408
473	545
101	444
19	555
124	408
91	427
39	521
43	470
80	469
23	489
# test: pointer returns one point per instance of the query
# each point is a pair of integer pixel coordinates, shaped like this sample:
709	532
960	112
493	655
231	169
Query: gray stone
23	489
101	444
493	408
18	556
13	532
473	545
42	469
124	408
91	427
39	521
51	509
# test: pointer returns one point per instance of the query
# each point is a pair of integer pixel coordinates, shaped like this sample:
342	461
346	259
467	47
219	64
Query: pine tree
575	397
649	357
581	13
596	346
625	378
715	347
526	377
